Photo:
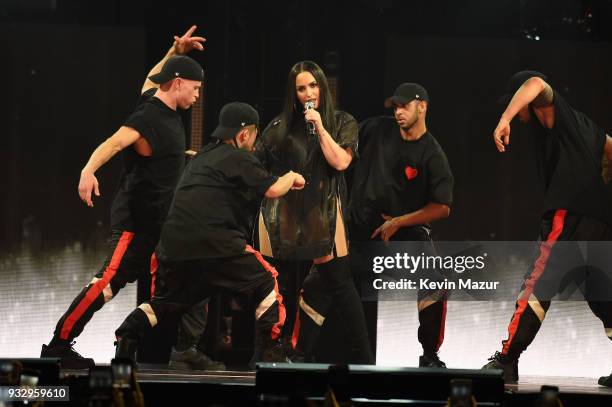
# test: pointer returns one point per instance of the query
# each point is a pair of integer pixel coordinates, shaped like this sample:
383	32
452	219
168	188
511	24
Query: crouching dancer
203	246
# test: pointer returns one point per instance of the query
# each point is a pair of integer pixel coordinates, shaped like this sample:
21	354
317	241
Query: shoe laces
433	357
496	356
72	351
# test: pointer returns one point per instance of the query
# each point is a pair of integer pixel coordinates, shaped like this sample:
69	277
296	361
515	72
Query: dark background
72	70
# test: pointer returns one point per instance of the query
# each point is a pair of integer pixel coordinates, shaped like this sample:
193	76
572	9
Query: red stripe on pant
276	329
295	336
538	270
96	288
153	271
442	326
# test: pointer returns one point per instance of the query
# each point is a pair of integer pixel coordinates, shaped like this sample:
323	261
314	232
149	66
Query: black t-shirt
569	163
395	176
214	205
147	183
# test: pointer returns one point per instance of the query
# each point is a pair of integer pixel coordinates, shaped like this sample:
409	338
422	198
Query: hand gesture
87	184
387	229
501	135
184	44
298	182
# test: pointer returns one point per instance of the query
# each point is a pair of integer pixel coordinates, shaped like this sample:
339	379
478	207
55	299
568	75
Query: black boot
133	329
275	351
430	359
507	365
606	381
339	286
306	334
192	359
69	358
313	306
125	347
268	347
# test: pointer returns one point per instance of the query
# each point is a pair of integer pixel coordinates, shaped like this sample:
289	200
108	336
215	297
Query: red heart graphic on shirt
411	173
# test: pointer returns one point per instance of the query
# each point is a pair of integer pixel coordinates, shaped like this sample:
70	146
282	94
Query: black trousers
431	304
560	260
329	286
130	258
181	285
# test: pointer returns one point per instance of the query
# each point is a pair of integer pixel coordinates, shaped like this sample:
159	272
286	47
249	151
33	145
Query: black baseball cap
179	66
516	81
406	93
233	117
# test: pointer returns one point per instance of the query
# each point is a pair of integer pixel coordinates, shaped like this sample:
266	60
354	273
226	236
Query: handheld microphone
310	125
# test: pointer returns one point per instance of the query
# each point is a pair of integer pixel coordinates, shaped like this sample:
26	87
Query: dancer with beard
401	185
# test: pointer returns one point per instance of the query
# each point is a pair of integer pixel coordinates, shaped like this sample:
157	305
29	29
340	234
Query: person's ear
177	83
244	135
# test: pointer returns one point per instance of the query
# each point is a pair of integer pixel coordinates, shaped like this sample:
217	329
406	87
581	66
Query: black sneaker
509	367
605	381
276	353
192	359
69	358
431	361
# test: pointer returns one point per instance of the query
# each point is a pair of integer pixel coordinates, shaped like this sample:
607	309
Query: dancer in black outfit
152	142
203	246
402	184
570	148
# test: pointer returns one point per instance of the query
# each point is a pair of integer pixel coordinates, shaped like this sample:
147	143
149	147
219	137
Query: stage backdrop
70	87
68	96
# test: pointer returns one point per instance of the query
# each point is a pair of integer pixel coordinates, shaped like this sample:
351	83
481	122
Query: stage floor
577	385
526	384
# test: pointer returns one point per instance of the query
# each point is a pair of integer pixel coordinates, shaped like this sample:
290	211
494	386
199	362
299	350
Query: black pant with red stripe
182	284
431	304
130	258
569	253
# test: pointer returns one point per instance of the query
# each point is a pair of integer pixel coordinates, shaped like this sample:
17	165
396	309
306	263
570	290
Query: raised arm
337	157
88	183
534	91
181	46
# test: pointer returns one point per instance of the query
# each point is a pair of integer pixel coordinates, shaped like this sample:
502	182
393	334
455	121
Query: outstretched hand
186	43
88	184
501	135
387	229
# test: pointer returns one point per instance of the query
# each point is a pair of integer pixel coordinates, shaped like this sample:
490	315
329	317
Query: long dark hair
292	108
